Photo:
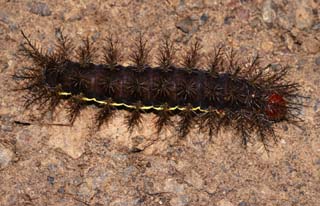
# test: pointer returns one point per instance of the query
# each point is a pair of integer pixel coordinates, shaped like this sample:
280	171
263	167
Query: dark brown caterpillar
247	97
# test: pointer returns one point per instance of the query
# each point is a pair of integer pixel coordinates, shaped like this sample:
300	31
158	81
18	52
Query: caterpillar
247	97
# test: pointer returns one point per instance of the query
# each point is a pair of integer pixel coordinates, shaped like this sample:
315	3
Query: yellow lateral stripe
115	104
147	107
172	108
64	93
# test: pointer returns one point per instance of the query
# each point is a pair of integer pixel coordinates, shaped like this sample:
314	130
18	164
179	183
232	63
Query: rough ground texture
43	164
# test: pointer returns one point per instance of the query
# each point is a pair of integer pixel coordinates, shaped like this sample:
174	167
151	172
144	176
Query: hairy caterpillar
248	97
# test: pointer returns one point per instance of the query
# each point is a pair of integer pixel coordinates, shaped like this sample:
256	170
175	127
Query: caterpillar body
247	97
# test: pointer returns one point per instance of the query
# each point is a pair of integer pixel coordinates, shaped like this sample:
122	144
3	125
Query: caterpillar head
276	108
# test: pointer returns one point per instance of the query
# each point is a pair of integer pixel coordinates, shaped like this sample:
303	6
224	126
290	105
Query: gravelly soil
42	164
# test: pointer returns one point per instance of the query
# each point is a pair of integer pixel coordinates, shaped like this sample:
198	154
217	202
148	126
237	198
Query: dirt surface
43	164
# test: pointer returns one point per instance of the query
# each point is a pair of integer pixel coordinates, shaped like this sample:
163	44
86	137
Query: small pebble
304	15
267	45
180	200
243	14
311	45
244	1
40	8
186	25
6	156
73	15
204	18
4	17
317	61
316	27
228	19
285	127
3	65
242	203
50	180
268	12
95	36
61	190
256	23
6	128
285	20
316	105
289	41
13	26
224	202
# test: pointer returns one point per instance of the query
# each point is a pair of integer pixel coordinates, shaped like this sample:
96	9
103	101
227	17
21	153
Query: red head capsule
276	107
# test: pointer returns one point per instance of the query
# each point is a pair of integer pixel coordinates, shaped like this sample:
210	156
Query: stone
187	25
4	18
317	61
224	202
70	140
311	45
243	203
39	8
316	105
50	179
6	156
69	144
289	42
194	179
316	26
228	19
180	200
304	15
243	14
204	18
73	15
268	13
285	20
171	185
256	23
267	45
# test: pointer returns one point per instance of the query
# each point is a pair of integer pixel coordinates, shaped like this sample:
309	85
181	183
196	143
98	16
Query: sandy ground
42	164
